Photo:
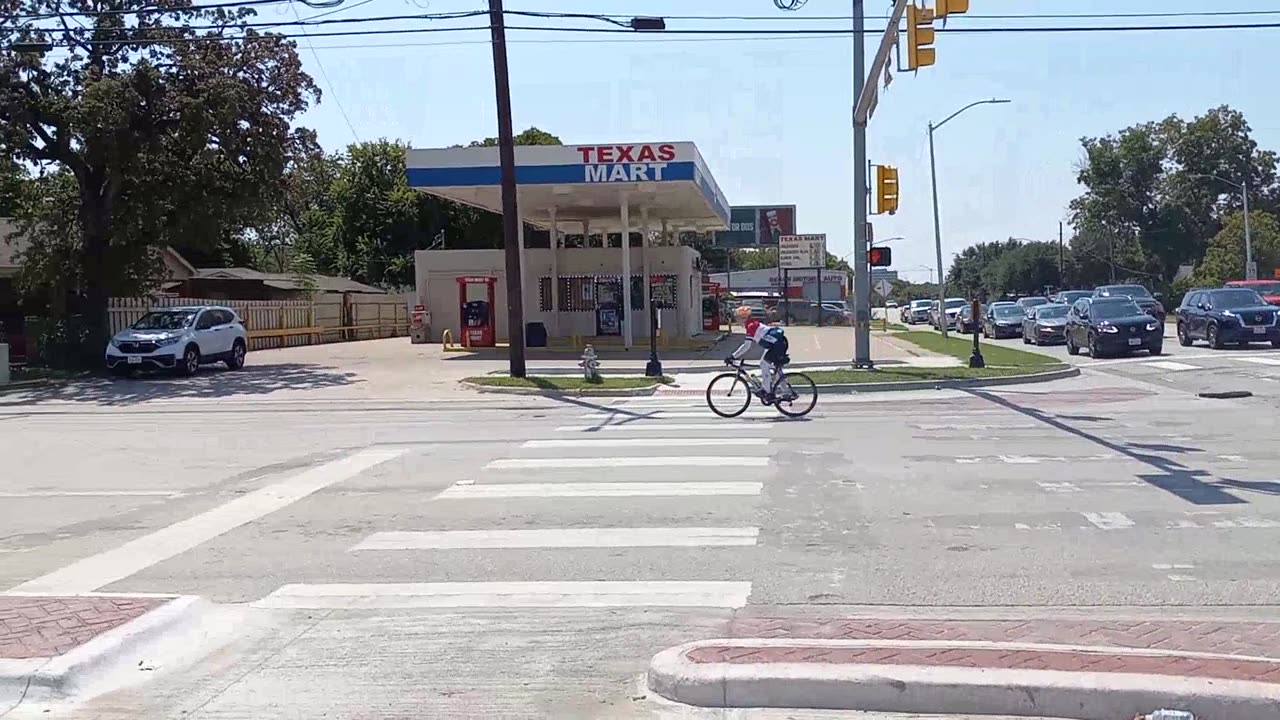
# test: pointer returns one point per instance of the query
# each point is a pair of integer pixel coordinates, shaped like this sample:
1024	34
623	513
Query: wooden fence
329	317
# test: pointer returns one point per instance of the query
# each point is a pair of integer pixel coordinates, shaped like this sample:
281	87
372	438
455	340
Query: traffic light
920	35
879	257
943	8
886	189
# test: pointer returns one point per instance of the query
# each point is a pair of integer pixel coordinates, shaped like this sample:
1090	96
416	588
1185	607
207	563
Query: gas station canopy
669	180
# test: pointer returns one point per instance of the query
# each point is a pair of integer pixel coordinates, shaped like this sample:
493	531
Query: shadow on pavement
1164	448
208	383
1264	487
1174	477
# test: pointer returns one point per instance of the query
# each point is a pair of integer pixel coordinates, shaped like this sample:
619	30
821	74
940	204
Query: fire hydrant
590	365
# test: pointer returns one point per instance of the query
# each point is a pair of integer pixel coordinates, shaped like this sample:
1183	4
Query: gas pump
711	306
477	316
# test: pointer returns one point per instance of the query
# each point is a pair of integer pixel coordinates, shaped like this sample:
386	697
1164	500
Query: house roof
287	281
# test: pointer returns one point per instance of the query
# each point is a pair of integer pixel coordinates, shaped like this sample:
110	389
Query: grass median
891	374
961	347
567	382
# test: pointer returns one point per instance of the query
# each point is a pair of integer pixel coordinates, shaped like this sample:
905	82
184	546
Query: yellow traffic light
943	8
886	189
920	35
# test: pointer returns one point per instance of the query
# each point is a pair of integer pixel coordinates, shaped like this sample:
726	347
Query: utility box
4	363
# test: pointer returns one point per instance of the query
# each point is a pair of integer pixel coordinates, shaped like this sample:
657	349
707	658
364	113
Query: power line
325	76
744	33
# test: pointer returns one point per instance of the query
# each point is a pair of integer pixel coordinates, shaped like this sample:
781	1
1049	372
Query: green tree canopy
1224	259
166	130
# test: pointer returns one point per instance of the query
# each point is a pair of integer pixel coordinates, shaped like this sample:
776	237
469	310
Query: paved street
1195	369
490	556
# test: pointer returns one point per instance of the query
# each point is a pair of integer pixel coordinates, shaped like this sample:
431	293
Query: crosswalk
1191	363
634	508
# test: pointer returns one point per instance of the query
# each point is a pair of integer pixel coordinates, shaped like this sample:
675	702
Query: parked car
1046	324
890	304
947	314
965	322
916	312
1027	303
1137	293
1003	320
1268	289
1111	326
1227	315
181	339
1069	297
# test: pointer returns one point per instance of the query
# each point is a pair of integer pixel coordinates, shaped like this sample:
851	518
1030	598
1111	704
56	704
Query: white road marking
1171	365
93	493
1232	458
1059	487
643	442
561	538
509	595
1025	459
599	489
671	415
1246	522
655	461
726	427
1260	360
107	567
1172	566
1109	520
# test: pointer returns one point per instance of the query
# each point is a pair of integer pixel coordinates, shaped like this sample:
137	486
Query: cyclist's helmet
743	312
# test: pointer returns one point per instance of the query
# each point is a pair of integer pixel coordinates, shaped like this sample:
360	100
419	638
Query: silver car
181	339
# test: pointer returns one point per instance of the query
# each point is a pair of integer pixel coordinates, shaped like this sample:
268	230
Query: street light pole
1250	270
937	221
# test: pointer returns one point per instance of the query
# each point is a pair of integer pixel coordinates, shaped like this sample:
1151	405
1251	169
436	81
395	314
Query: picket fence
329	317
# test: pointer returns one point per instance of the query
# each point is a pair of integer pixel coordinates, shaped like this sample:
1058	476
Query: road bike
729	394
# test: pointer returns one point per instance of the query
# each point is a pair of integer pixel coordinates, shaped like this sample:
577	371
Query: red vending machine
478	327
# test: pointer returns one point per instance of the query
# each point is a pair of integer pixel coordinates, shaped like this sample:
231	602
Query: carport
655	189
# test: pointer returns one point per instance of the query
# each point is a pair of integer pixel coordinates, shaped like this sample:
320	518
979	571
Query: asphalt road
446	558
1195	369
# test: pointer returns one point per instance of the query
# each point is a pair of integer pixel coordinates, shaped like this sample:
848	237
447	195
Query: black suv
1111	326
1227	315
1137	293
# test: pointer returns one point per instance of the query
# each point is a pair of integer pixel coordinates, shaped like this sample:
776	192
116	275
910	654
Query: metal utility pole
1250	269
510	209
1062	279
861	271
937	222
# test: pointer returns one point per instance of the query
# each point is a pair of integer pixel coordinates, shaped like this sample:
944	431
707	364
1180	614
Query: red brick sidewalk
35	627
1162	646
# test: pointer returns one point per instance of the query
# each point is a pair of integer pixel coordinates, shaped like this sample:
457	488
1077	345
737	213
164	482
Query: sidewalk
1071	668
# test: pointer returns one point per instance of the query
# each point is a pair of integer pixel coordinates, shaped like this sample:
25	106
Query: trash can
535	334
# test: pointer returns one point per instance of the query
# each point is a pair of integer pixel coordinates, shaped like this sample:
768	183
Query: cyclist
769	337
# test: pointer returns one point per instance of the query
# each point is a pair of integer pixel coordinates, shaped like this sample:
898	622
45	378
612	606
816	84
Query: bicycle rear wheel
797	394
728	395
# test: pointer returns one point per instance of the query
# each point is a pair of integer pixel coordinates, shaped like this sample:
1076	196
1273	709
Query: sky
771	116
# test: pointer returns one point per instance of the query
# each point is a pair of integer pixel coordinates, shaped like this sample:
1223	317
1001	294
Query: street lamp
1250	270
937	222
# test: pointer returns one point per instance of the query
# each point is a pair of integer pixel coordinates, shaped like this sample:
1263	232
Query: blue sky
771	116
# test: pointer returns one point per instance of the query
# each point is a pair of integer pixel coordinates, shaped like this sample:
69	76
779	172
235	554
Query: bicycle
795	393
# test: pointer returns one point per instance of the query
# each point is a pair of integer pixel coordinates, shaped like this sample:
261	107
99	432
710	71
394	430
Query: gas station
650	190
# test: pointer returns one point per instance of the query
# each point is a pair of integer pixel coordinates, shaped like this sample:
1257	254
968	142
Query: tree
965	278
172	120
532	136
1024	270
1224	259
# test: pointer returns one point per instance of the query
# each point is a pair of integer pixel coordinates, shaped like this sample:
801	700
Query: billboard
802	251
756	225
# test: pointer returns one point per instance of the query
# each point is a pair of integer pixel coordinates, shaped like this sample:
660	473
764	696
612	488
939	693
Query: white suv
179	338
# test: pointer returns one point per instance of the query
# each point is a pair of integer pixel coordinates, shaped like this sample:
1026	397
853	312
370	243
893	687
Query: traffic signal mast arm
890	38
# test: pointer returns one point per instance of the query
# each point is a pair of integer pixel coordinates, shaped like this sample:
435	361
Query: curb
1028	379
586	392
59	677
948	690
17	385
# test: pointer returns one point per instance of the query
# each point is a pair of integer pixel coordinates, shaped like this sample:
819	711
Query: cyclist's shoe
768	398
730	360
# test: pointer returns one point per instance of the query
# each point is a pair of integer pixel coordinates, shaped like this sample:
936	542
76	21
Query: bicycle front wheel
728	395
796	395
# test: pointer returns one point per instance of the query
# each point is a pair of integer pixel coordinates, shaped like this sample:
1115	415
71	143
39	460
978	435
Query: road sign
884	287
802	251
